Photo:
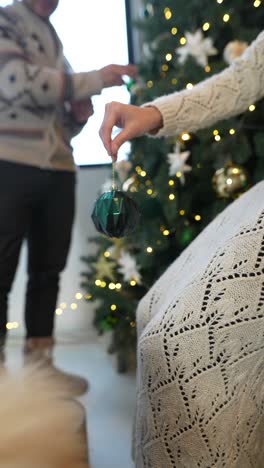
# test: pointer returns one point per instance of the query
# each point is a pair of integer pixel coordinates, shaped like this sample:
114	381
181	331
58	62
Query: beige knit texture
224	95
201	349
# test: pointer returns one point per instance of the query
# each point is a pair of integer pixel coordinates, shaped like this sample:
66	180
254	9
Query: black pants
38	205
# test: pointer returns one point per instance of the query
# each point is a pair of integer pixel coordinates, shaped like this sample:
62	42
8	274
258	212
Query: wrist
155	119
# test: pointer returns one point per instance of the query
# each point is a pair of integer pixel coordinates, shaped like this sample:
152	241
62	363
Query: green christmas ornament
129	84
115	214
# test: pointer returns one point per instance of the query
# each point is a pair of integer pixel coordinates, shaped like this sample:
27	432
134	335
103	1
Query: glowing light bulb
186	137
167	13
206	26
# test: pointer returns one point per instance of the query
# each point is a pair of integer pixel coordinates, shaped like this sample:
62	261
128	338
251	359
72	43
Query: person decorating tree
43	105
230	92
200	326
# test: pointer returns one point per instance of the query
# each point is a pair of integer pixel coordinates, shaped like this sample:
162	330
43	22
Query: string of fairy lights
150	190
168	14
60	310
184	137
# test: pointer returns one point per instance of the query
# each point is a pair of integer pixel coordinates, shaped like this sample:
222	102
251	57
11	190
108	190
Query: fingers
112	74
118	141
114	113
105	132
130	70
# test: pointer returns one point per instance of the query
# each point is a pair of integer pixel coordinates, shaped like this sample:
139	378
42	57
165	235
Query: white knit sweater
219	97
201	349
201	326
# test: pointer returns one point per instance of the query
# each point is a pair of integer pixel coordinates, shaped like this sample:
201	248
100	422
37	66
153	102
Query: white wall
72	322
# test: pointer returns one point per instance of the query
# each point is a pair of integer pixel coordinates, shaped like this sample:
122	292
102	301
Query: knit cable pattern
201	349
223	95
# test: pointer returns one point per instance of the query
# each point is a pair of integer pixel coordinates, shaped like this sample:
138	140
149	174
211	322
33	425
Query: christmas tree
181	183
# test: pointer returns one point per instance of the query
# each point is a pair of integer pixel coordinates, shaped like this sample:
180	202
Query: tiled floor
109	404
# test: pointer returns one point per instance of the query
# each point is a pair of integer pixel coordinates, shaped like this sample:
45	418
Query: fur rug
41	427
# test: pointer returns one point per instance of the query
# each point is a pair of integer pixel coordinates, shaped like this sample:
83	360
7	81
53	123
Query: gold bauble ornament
230	181
233	50
131	184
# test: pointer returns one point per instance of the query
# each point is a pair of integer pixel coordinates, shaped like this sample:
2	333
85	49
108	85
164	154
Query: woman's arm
224	95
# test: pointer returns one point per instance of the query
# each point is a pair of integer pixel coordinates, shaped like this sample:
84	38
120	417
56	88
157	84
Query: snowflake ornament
123	168
128	267
106	186
177	162
199	47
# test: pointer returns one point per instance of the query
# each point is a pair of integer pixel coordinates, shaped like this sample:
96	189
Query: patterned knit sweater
201	326
219	97
201	349
36	86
